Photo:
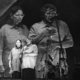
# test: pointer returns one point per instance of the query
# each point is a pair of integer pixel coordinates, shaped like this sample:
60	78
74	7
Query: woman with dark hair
45	34
9	33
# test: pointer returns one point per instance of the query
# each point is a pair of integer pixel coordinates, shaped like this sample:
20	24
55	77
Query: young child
14	59
30	52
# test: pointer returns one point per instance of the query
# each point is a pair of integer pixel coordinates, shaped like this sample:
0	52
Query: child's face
18	43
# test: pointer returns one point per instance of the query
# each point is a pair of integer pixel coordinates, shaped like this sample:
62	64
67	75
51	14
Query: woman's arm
67	40
10	59
2	33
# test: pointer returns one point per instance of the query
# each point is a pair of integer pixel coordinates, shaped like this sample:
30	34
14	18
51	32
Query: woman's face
49	14
18	43
18	16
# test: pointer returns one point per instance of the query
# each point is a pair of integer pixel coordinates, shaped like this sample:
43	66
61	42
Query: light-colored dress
14	59
29	56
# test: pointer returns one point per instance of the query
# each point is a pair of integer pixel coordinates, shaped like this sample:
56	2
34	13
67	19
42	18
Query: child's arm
34	51
9	58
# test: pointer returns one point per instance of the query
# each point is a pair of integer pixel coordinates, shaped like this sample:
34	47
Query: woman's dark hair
6	16
14	10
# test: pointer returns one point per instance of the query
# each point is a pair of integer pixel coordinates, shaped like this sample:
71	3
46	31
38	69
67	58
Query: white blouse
29	56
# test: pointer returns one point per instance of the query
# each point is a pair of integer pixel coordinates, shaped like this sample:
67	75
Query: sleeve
33	33
1	44
9	58
67	33
68	36
67	41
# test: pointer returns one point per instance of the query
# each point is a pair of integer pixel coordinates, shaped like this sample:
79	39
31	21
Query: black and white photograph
39	40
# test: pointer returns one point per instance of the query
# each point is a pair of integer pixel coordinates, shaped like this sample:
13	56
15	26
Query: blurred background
69	11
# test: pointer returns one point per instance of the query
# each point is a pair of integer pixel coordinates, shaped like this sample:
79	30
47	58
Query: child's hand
25	47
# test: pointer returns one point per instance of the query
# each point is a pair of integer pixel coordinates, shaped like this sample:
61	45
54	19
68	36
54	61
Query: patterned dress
47	40
14	58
